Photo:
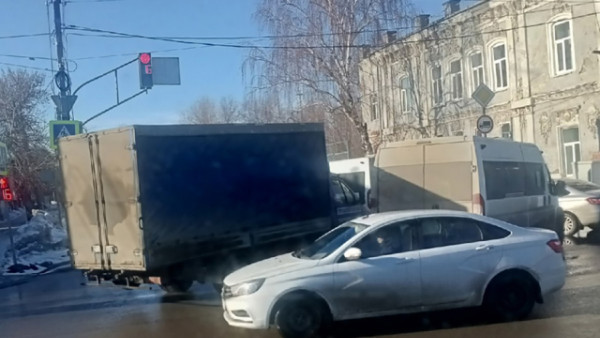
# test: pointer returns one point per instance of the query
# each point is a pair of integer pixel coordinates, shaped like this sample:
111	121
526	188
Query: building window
571	149
456	79
374	108
500	66
405	95
477	69
436	82
506	131
563	47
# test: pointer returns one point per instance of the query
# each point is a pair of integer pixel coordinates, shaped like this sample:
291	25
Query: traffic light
7	194
145	66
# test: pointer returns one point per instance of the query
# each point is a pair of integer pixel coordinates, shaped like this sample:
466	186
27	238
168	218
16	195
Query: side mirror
559	188
352	254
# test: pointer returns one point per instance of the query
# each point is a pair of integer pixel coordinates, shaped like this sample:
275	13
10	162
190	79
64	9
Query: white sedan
398	262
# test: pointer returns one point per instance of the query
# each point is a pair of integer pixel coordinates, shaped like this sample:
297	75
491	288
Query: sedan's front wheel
299	318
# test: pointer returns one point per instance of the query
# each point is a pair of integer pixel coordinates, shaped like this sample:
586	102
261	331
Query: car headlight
246	288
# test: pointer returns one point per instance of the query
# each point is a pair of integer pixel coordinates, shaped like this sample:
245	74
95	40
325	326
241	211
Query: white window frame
373	107
479	70
572	145
498	62
405	108
554	46
453	76
437	85
510	133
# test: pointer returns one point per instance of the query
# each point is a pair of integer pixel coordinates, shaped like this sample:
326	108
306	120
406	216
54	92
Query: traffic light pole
119	101
116	105
114	70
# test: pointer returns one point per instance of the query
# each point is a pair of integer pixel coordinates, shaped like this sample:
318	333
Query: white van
494	177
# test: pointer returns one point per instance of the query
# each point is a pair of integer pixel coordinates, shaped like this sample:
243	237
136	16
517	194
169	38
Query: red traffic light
145	58
3	183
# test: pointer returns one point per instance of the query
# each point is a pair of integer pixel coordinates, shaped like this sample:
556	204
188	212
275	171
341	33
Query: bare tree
230	110
319	48
22	129
203	111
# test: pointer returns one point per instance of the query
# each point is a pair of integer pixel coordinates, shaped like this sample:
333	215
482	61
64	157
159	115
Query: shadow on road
410	323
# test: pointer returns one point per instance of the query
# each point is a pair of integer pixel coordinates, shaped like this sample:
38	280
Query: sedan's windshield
329	242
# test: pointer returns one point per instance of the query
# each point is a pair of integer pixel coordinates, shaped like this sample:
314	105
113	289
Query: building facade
537	56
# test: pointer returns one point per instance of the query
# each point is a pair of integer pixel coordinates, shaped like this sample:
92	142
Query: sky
205	71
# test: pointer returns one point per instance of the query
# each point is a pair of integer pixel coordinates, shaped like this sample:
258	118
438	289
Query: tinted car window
391	239
534	179
491	232
504	179
350	199
446	231
338	194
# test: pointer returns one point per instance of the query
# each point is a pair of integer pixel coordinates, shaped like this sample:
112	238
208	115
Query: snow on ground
40	244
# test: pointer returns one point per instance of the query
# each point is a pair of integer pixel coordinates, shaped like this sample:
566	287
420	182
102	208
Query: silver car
580	201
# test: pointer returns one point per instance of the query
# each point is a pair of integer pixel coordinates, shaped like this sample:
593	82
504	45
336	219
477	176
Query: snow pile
40	244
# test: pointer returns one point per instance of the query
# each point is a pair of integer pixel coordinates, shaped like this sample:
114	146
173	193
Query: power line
27	67
32	58
23	36
184	39
210	44
136	53
90	1
546	1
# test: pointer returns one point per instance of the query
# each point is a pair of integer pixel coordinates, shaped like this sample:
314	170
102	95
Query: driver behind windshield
383	242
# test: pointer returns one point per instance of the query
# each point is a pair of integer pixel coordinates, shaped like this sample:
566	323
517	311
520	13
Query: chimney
390	36
451	7
366	51
421	21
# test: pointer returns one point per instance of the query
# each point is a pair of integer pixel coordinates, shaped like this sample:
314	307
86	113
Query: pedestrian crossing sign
60	129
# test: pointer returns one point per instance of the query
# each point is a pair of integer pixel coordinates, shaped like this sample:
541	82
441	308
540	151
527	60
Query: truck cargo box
143	197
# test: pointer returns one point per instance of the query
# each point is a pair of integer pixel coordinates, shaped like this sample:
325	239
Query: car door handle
485	247
404	260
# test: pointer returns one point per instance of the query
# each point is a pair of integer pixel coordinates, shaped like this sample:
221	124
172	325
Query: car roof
391	216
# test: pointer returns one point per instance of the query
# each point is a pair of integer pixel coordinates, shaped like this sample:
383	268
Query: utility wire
210	44
27	67
184	39
136	53
32	58
23	36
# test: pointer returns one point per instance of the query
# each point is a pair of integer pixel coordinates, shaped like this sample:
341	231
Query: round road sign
485	124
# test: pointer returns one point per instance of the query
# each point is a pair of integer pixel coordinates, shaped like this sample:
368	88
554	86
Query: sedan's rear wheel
299	318
510	297
571	224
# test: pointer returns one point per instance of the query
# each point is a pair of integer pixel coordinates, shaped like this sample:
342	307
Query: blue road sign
60	129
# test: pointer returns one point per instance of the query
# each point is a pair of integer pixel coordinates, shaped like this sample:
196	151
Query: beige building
536	55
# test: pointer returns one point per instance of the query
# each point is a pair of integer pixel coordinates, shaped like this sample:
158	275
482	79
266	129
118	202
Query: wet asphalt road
57	305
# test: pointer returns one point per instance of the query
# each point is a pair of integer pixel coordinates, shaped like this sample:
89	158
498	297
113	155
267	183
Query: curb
14	280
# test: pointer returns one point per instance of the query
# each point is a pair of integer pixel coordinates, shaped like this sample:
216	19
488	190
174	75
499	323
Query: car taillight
555	245
593	200
478	204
